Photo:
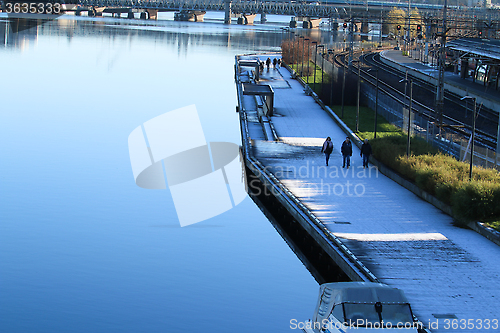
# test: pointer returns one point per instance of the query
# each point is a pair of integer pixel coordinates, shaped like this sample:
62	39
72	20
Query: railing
336	8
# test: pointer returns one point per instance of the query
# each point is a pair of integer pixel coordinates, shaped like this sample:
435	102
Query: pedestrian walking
327	148
275	62
366	151
268	63
346	150
279	62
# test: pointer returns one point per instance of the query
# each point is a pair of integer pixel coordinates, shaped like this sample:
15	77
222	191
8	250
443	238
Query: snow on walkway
449	274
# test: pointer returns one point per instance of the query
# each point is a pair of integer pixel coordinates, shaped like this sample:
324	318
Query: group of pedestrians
346	150
276	63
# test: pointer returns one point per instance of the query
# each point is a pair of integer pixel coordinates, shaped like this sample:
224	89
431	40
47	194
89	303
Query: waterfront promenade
448	273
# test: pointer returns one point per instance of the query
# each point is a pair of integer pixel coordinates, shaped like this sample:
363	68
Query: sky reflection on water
82	248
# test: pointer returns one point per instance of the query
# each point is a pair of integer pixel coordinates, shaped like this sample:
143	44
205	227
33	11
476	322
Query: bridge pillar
307	22
199	16
246	19
144	15
293	23
310	23
227	12
190	15
263	18
130	15
152	13
364	27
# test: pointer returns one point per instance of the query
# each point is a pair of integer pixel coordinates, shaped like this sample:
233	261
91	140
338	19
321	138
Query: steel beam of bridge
334	8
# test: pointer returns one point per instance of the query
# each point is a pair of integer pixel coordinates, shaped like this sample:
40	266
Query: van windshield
365	314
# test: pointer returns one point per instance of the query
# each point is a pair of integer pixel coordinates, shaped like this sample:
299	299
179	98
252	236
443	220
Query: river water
82	247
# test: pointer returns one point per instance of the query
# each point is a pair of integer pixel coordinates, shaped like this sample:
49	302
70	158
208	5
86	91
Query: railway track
455	116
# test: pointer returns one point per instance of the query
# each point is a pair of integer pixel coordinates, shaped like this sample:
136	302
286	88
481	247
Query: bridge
311	13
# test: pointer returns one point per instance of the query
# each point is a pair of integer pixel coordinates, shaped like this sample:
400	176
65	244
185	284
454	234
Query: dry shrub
443	176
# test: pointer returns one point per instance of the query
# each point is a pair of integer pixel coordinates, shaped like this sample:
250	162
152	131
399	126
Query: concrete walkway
448	273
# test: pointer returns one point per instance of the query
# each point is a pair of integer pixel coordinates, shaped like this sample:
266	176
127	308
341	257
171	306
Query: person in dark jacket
366	151
327	148
346	150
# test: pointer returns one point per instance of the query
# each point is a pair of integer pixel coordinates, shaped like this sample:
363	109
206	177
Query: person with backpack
327	148
346	150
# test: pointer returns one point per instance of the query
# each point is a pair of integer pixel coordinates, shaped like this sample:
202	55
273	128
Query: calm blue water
82	248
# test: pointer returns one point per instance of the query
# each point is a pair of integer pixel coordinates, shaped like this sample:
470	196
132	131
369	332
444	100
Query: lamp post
292	38
344	69
331	77
322	64
473	134
409	27
376	101
315	53
308	61
381	25
359	91
409	115
302	55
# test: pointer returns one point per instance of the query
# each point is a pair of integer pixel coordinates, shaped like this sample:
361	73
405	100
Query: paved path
446	272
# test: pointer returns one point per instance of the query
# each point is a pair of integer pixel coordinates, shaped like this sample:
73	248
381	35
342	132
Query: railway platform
489	97
449	274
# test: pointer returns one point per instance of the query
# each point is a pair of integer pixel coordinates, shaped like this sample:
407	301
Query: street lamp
376	101
344	69
409	27
302	55
330	51
315	53
409	114
473	134
380	30
359	91
308	61
322	64
293	49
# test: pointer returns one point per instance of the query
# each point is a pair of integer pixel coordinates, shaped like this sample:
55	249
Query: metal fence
445	139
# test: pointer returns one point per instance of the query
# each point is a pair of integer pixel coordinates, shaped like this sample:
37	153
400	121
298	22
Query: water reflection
82	248
18	33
